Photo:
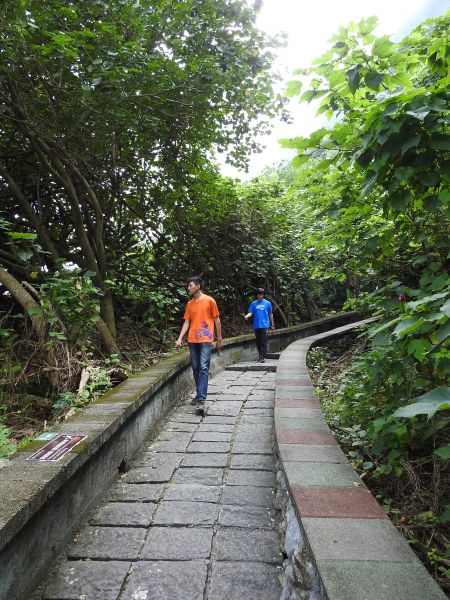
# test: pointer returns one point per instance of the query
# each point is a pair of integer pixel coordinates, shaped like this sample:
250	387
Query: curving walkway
194	517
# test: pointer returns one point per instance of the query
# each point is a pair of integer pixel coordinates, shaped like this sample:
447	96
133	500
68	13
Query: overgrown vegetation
109	116
378	182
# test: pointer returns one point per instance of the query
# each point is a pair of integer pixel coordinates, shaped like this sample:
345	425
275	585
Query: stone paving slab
203	476
158	459
260	436
225	409
191	492
252	517
180	418
254	461
347	580
311	453
204	447
166	580
265	412
173	446
269	365
207	459
297	403
134	492
184	427
177	543
303	436
159	474
124	514
312	423
108	543
249	419
176	513
250	404
219	420
322	474
239	581
226	397
212	436
257	478
248	496
252	448
357	540
219	427
344	502
247	545
92	580
174	436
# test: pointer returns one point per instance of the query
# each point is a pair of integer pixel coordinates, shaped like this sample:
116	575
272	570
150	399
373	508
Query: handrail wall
342	546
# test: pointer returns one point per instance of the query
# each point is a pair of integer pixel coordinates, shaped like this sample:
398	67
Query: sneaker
262	360
194	402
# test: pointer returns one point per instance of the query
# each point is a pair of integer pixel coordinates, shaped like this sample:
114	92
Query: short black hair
196	280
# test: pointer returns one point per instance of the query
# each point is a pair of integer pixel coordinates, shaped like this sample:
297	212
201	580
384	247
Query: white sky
309	25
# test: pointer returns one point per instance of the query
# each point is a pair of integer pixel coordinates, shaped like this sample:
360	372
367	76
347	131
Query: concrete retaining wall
42	504
339	542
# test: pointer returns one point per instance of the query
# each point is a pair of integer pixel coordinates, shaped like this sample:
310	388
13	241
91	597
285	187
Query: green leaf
444	196
445	518
383	47
443	452
419	348
293	88
17	235
400	200
430	179
440	142
373	79
445	308
299	160
354	79
426	300
408	325
427	404
412	142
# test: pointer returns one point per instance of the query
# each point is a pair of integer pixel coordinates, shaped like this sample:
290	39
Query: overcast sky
309	25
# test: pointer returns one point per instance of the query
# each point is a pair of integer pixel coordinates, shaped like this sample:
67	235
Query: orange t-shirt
201	314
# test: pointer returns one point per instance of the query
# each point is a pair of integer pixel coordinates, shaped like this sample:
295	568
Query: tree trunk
108	340
309	305
26	301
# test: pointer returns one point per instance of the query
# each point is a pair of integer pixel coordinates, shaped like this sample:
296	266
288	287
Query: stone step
269	365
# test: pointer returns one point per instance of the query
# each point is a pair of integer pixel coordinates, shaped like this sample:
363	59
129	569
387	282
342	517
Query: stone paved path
194	517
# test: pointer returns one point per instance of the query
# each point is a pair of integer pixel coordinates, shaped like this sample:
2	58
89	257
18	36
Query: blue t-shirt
260	310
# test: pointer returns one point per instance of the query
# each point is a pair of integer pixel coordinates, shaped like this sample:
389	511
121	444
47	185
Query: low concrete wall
339	542
43	504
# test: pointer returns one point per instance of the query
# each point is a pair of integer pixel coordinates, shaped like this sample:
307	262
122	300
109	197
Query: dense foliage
109	114
374	187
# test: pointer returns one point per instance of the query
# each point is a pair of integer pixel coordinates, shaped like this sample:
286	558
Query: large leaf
407	325
443	452
427	404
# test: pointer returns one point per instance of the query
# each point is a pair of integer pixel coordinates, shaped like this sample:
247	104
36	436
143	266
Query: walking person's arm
218	326
183	332
272	324
248	315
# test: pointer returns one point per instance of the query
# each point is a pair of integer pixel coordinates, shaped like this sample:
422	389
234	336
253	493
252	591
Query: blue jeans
200	359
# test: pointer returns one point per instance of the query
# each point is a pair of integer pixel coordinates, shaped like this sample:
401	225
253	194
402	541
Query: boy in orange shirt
200	318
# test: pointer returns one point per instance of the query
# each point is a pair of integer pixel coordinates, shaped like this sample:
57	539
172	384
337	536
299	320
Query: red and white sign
57	448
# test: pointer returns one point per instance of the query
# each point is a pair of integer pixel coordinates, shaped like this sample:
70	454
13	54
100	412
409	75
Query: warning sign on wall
57	448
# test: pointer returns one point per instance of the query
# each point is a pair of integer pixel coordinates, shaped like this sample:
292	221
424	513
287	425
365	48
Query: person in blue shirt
261	311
